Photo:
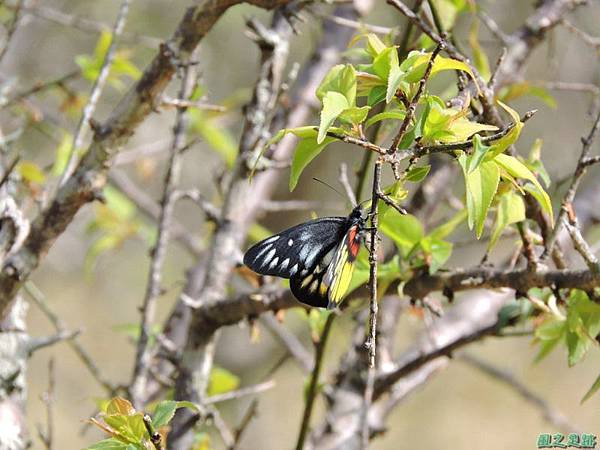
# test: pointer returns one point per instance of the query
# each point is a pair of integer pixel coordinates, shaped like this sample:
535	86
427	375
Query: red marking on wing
353	243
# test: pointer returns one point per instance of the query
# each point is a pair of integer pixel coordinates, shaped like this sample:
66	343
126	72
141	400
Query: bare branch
97	88
239	393
290	342
153	287
480	278
570	194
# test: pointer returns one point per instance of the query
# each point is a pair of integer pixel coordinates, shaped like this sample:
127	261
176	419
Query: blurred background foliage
95	275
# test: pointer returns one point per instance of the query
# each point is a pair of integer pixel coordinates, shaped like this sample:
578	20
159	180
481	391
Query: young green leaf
405	230
340	79
479	151
395	114
480	188
417	174
518	170
511	137
440	64
438	250
592	390
164	412
306	151
333	105
511	209
354	115
108	444
31	172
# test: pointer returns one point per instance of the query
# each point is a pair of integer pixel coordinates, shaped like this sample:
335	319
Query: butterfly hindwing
295	252
340	270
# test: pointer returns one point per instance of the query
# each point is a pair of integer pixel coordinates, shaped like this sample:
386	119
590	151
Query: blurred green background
460	408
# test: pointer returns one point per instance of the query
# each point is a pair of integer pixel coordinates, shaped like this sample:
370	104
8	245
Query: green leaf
440	64
221	381
518	170
511	137
355	115
405	230
439	251
118	203
417	174
108	444
592	390
550	333
376	95
534	162
462	129
164	412
340	79
479	151
333	105
374	44
480	187
511	209
396	114
306	151
120	405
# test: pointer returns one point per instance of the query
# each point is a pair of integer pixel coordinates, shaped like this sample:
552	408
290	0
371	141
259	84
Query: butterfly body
317	256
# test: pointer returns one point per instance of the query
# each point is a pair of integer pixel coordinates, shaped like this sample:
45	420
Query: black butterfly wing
310	288
295	252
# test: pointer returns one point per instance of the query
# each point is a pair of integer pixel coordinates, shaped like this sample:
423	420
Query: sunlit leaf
440	64
511	209
417	174
306	150
518	170
333	105
438	250
480	59
394	114
340	79
480	186
405	230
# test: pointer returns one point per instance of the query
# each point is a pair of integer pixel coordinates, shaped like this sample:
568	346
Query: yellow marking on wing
306	281
342	278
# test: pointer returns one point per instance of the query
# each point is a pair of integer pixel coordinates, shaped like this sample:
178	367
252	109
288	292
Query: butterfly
317	256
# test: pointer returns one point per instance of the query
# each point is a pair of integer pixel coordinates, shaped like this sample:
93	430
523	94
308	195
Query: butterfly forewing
296	251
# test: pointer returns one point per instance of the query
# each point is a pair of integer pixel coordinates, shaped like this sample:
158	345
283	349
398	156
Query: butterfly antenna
330	187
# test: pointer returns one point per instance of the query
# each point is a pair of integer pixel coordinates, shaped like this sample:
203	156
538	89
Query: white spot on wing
259	254
273	263
294	269
268	257
291	242
285	263
271	239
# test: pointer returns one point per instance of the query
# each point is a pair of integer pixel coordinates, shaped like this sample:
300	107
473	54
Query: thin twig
412	107
311	393
90	107
12	27
570	194
38	298
47	398
239	393
580	244
589	40
153	287
9	170
345	182
371	343
154	436
246	419
290	341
